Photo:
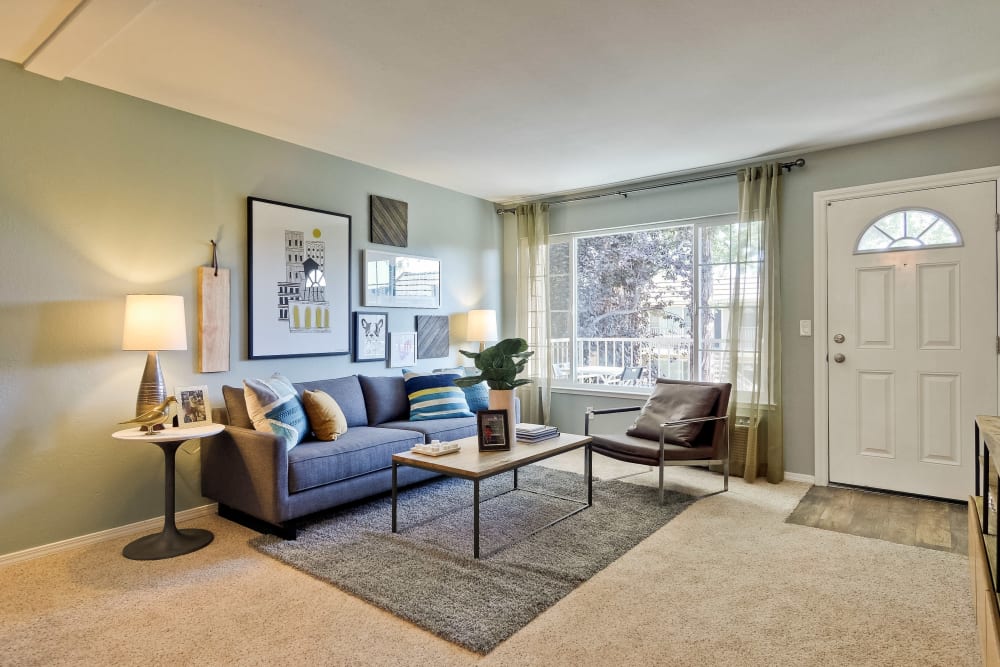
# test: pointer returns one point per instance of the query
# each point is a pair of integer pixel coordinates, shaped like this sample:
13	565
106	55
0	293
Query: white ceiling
509	99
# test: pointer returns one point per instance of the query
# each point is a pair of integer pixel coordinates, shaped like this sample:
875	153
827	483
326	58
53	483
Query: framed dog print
371	336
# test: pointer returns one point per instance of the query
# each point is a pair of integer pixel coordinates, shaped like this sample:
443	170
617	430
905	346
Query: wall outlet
805	328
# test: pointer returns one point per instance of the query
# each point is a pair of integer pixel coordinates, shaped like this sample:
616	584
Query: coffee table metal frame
497	463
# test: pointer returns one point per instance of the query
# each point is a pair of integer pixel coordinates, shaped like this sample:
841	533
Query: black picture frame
488	423
298	281
371	336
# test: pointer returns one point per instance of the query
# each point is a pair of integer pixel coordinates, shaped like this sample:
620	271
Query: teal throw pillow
275	406
434	396
477	396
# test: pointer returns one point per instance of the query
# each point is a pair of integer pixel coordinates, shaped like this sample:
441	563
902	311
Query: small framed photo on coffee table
494	432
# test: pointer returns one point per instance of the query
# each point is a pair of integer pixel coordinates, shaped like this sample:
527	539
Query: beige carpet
726	583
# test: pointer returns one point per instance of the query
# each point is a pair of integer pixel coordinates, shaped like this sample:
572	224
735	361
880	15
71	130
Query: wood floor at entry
918	522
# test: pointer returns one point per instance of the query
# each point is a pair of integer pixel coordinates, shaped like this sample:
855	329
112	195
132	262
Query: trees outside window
655	297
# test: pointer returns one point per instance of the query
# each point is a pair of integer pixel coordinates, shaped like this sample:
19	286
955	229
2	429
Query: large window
654	298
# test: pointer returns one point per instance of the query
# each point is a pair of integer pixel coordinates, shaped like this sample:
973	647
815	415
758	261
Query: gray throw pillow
236	406
670	402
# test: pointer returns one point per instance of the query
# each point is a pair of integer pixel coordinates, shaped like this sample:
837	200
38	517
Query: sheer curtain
532	317
754	336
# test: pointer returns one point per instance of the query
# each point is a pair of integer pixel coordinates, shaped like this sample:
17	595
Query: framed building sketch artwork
299	269
393	280
193	408
371	336
402	348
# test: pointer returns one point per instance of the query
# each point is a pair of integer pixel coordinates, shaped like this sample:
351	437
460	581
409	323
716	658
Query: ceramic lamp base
152	390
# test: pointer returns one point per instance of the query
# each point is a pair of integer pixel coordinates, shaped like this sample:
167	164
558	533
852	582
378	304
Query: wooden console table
983	529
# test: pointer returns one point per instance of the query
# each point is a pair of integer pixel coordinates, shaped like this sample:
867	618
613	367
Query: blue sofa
259	483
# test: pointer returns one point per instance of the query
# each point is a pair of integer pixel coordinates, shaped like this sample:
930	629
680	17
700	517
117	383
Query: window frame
569	384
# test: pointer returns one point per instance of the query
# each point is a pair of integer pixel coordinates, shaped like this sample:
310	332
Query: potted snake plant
499	366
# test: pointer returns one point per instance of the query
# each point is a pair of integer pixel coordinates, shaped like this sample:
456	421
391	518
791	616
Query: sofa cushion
435	396
347	392
385	398
326	419
477	396
236	406
274	406
670	402
361	450
438	429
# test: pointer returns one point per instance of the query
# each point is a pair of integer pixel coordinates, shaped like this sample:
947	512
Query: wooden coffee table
469	463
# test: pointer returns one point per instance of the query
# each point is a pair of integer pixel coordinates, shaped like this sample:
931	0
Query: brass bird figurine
153	419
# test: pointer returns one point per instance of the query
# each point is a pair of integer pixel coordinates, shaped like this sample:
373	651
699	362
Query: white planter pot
503	399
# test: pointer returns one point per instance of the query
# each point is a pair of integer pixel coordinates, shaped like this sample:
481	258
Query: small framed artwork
402	349
193	406
371	336
494	432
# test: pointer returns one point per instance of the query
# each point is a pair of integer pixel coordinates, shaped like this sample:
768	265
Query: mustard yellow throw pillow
325	416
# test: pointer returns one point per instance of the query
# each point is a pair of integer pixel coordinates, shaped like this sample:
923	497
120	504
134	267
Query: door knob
839	338
839	358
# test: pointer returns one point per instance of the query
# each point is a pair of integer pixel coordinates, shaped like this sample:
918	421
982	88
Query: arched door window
909	229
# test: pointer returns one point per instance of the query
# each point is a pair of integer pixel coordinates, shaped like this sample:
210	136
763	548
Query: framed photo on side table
494	432
193	408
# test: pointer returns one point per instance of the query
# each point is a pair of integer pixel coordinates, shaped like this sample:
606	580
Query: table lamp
153	322
482	326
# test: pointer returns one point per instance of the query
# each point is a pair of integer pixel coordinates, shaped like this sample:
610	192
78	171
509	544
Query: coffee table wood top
470	463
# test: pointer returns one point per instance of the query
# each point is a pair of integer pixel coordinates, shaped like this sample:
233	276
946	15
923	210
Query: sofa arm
248	471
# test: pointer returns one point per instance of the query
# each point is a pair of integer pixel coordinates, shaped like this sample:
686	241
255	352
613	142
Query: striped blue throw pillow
434	396
477	396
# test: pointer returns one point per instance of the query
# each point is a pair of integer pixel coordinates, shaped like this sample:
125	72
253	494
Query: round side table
170	541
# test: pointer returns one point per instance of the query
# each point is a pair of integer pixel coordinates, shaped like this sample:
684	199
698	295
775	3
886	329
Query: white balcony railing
603	360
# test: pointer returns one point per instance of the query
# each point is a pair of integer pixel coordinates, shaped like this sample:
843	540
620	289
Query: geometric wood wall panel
875	306
876	414
939	400
388	221
938	306
432	336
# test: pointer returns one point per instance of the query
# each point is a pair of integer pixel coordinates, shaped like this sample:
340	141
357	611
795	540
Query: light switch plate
805	328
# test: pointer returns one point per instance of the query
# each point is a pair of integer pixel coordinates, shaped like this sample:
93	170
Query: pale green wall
957	148
102	195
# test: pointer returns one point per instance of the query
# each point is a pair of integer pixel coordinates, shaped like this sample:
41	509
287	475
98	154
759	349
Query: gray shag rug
426	573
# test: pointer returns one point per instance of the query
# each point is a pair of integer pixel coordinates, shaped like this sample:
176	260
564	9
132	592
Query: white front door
912	338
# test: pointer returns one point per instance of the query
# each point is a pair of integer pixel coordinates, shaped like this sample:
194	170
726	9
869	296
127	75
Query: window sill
603	390
608	391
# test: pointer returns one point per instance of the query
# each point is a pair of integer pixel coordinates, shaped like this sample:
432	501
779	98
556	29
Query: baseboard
139	527
800	477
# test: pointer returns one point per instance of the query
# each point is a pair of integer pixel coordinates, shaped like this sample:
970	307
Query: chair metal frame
723	461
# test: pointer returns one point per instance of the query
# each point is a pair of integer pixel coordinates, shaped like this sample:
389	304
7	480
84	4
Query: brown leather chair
709	446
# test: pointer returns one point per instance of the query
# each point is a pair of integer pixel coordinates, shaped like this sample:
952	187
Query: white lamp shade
482	325
154	322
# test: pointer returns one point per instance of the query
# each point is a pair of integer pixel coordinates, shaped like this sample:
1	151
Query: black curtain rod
800	162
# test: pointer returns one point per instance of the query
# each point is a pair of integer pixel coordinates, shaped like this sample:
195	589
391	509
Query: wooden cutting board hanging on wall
213	318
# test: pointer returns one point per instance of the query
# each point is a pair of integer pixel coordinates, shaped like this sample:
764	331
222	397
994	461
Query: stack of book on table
535	432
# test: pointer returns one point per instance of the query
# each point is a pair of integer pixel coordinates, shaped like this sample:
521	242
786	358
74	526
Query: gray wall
102	195
957	148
